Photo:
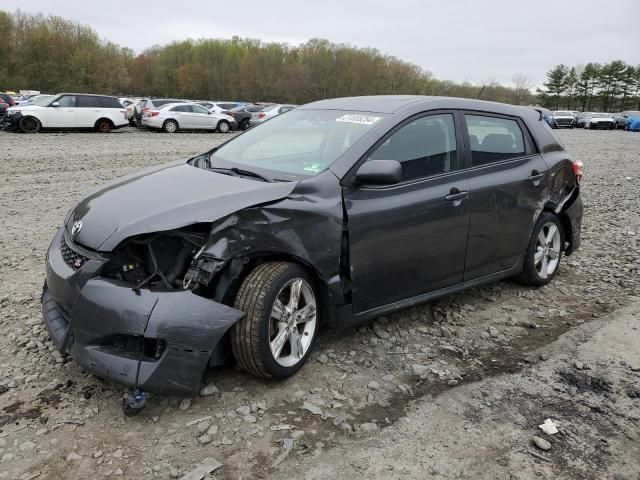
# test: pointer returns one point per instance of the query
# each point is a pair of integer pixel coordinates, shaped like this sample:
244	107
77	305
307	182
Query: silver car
187	116
269	112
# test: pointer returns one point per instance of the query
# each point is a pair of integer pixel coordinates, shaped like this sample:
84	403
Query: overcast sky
474	40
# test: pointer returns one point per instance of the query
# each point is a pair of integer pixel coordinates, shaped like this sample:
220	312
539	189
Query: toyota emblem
77	226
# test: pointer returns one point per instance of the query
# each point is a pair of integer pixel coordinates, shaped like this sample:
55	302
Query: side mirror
379	172
55	104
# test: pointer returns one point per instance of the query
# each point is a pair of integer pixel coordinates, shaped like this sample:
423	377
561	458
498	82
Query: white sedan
187	116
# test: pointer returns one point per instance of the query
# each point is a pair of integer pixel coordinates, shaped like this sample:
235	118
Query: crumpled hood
163	198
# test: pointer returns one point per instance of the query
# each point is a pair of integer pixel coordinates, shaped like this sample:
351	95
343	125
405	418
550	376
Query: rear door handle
456	195
536	176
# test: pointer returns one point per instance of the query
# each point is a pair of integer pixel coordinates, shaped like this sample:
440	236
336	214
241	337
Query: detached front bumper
159	341
10	122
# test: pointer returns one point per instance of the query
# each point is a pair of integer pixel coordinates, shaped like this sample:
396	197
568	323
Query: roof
85	94
399	103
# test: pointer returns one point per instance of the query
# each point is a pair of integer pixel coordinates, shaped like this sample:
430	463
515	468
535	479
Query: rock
185	404
578	365
250	418
226	441
213	429
27	446
97	454
173	472
310	407
210	389
380	333
419	370
445	332
203	426
73	457
541	443
297	434
369	427
118	453
204	439
493	331
118	471
548	427
323	359
243	410
373	385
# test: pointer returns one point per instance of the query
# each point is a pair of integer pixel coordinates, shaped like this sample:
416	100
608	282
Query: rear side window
493	139
425	146
109	102
88	102
182	108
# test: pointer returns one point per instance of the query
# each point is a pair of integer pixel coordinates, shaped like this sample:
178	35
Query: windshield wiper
240	172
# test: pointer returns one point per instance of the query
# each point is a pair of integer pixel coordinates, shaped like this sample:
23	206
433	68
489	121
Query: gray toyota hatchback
331	214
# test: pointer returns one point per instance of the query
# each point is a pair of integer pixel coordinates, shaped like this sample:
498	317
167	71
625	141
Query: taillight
577	170
229	113
262	115
154	113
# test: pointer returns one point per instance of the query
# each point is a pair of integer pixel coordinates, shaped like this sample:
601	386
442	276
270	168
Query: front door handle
536	176
456	195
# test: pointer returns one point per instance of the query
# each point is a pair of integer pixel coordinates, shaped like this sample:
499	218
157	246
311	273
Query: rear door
64	115
88	110
410	238
507	179
183	115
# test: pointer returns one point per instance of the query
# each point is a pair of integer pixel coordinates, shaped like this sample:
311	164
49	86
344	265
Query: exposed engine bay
167	260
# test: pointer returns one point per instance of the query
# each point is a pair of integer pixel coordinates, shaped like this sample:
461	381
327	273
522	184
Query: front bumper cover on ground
159	341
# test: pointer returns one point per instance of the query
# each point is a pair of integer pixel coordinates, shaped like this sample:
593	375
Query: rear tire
244	124
223	126
170	126
544	251
103	125
29	125
277	334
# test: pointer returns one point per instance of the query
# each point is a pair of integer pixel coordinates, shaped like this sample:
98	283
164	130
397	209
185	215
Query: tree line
608	87
53	54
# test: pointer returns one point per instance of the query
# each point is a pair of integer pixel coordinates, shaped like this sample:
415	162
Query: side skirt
345	317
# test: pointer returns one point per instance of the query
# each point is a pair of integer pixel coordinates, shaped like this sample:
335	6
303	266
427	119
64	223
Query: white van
68	110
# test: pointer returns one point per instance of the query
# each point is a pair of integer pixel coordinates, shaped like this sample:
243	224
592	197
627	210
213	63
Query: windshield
299	143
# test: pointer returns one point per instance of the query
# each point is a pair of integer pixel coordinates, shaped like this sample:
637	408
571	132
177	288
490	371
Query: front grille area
71	257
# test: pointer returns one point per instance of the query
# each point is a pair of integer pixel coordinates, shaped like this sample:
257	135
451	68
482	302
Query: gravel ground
452	389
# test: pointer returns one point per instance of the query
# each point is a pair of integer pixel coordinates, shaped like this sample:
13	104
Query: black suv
334	213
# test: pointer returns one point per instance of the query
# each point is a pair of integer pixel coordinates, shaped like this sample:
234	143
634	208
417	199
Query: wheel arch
170	120
97	122
228	282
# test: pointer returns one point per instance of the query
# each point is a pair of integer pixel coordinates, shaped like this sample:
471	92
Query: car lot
475	369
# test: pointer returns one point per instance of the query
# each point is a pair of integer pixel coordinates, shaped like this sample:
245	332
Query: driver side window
67	101
425	146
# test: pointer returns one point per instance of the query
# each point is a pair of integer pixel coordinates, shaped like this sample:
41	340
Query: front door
202	118
508	178
410	238
64	115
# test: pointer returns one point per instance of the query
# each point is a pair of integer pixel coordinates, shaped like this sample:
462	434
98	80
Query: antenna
481	90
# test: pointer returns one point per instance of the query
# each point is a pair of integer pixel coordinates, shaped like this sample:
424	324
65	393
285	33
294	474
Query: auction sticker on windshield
361	119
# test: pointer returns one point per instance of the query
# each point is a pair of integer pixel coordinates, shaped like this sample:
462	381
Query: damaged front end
138	315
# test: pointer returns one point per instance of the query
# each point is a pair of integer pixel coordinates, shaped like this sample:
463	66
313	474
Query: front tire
29	125
277	334
544	251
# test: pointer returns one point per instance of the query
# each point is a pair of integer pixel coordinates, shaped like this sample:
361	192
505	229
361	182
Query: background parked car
187	116
580	119
242	114
67	110
146	104
269	112
3	110
600	121
622	118
218	106
8	99
561	118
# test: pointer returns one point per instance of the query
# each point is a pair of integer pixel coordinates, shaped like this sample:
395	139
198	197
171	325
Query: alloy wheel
292	323
547	254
